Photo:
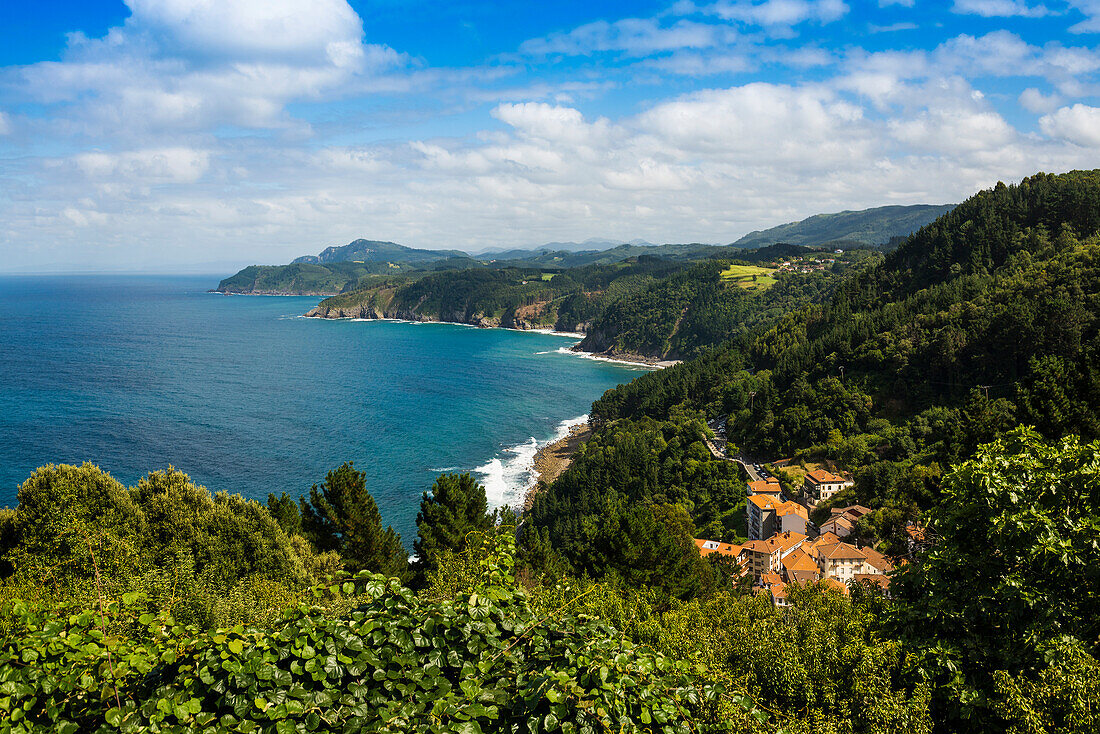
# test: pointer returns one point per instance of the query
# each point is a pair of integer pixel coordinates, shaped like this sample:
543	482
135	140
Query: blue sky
155	134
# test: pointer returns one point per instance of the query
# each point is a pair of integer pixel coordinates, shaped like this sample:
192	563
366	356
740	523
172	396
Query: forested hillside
869	227
983	320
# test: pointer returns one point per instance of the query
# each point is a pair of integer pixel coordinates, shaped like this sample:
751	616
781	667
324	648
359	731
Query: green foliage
1011	579
209	558
342	516
482	662
630	502
453	509
285	511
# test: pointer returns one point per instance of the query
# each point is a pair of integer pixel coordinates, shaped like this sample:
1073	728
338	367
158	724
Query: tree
455	507
342	516
1011	575
286	513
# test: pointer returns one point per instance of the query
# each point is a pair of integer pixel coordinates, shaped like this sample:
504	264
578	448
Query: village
785	547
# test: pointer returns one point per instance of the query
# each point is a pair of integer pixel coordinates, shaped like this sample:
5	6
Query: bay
135	373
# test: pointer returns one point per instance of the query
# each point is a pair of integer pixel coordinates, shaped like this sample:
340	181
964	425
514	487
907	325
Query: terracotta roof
706	547
826	538
791	508
779	591
764	501
759	546
876	559
873	578
802	576
831	583
852	510
838	522
798	560
820	476
765	486
767	579
836	551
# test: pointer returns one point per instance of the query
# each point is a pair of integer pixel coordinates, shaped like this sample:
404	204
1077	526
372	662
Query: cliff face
507	320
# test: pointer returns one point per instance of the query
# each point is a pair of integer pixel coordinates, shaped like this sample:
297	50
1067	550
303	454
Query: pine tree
455	507
342	516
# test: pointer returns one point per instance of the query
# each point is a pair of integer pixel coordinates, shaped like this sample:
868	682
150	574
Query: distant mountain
872	227
593	244
371	251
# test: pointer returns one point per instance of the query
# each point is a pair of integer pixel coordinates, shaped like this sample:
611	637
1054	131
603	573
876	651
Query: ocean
136	373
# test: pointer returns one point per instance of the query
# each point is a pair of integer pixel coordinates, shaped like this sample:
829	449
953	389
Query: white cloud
1032	100
5	124
781	13
903	3
1000	8
1091	11
164	165
634	36
181	65
1079	124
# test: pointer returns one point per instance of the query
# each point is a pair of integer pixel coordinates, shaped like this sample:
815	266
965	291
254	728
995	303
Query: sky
164	135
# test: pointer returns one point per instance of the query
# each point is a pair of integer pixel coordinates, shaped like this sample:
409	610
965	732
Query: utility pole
751	396
986	388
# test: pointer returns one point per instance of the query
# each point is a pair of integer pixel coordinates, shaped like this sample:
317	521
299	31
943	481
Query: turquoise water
138	372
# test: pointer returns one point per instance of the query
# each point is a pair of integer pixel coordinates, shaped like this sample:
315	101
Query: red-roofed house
820	485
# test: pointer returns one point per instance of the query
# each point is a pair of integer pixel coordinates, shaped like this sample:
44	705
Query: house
877	579
779	595
844	519
876	562
706	547
838	524
766	516
820	486
766	556
798	566
769	486
840	561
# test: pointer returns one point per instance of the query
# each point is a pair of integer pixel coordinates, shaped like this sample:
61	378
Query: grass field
748	276
548	276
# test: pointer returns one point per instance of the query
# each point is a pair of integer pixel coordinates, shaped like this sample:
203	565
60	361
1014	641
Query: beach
553	458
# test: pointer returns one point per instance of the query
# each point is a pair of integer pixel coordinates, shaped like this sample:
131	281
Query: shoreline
632	360
554	458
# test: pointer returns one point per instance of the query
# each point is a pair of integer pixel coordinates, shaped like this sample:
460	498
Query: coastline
633	360
554	458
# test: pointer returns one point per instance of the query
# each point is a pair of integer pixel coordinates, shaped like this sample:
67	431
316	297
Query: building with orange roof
779	595
706	547
841	525
764	486
877	562
766	556
820	486
840	561
766	516
798	560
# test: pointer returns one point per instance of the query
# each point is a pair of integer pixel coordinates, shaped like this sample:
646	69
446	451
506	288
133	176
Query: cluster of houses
804	265
785	548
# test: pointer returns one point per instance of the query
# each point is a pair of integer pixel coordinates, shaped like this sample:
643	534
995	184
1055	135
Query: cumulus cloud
1000	8
1091	10
1032	100
192	64
781	13
1079	124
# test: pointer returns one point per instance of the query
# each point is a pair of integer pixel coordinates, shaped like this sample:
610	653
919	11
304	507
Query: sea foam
507	478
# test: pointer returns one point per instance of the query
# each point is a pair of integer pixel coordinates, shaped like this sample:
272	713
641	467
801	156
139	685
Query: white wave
508	478
611	360
444	470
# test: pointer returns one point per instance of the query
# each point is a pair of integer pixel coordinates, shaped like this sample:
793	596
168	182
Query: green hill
373	251
871	227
